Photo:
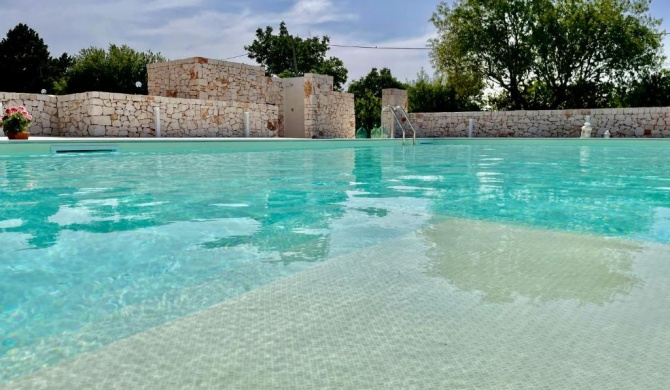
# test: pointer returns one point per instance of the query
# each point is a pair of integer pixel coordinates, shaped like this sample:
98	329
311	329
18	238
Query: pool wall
648	122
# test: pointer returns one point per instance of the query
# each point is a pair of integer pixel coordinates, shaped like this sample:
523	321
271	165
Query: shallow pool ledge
37	144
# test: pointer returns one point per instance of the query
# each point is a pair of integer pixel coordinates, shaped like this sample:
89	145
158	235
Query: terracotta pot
22	135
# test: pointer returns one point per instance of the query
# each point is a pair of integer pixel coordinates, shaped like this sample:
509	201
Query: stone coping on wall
157	99
7	96
203	60
14	96
589	111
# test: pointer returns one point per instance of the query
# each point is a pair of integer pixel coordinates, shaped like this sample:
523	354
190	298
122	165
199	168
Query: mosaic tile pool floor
456	305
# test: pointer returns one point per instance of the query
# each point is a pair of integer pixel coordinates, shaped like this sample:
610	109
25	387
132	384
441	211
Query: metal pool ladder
403	113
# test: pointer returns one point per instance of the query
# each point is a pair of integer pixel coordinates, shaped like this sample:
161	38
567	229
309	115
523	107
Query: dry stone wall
100	114
207	79
197	97
43	108
625	122
328	114
621	122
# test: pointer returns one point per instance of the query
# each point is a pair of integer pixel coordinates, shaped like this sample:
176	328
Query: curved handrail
400	123
411	126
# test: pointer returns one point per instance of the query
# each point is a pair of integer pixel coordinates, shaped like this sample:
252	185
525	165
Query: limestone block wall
651	122
207	79
43	108
328	114
100	114
623	122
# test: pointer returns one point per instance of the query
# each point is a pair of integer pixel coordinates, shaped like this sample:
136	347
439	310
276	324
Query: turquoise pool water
99	247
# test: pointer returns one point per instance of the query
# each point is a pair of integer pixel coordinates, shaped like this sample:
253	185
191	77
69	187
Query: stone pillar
328	114
393	97
311	106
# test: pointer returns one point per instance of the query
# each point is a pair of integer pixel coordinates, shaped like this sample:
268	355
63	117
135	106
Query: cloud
311	12
209	28
160	5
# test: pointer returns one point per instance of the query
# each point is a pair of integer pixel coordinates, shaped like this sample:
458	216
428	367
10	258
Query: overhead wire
238	56
355	47
381	47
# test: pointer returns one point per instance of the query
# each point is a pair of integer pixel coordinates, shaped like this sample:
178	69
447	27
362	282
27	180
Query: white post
247	131
157	115
470	127
586	129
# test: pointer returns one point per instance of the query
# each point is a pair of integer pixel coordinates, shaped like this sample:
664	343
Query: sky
220	29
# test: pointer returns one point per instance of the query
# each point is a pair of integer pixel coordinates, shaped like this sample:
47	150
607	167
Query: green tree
426	94
115	70
546	53
603	94
368	96
58	68
285	55
652	90
25	62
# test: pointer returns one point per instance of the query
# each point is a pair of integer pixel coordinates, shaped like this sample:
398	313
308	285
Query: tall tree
285	55
426	94
652	90
24	61
368	96
58	68
115	70
562	49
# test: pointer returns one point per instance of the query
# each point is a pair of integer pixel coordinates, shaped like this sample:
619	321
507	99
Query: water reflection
505	263
552	188
368	169
661	225
90	288
48	196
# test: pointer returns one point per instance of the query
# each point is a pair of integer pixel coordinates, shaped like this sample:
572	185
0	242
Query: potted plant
15	122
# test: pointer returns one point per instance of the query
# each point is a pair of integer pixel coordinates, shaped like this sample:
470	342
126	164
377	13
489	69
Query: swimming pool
96	248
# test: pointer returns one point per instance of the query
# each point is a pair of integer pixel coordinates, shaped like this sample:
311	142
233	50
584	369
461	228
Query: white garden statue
586	129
